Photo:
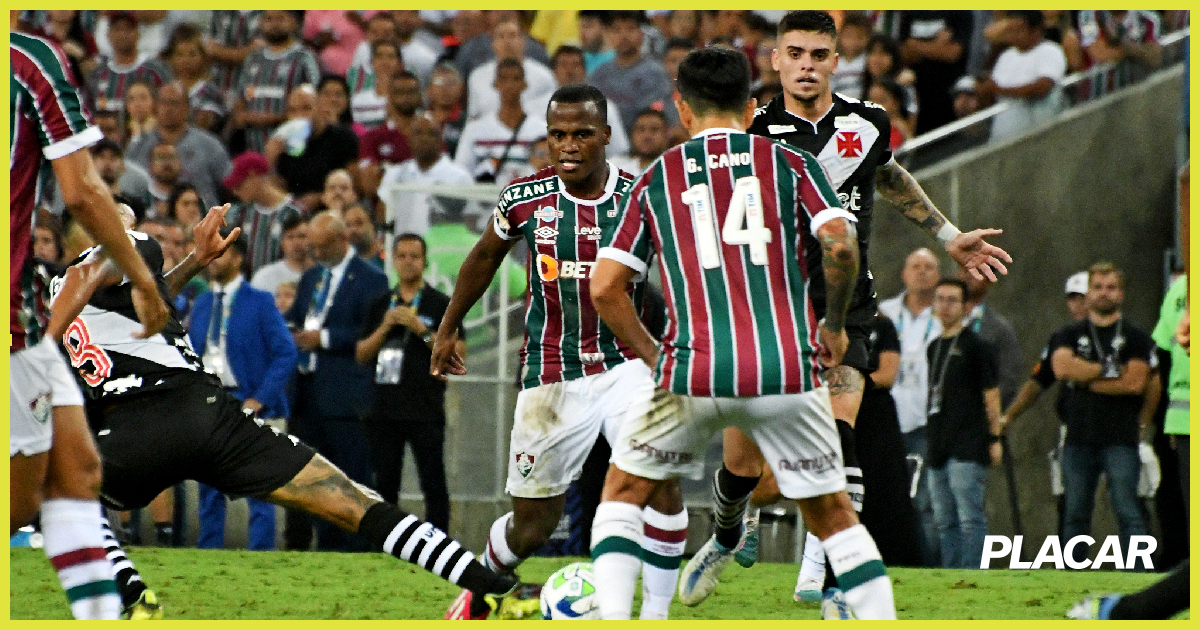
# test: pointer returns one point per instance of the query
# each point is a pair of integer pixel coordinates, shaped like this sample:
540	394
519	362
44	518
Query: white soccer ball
571	593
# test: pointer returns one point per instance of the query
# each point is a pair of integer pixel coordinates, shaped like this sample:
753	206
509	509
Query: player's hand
150	309
978	256
251	404
996	450
833	346
207	234
446	360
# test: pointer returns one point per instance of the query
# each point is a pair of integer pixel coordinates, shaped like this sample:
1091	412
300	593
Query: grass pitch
195	584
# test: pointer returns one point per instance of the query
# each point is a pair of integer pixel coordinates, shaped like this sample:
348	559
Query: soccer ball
571	593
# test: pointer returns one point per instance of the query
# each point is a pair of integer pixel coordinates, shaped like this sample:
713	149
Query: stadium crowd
285	114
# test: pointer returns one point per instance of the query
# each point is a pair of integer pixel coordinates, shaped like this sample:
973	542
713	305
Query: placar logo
1063	557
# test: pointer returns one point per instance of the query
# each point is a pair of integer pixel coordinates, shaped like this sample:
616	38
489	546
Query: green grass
194	584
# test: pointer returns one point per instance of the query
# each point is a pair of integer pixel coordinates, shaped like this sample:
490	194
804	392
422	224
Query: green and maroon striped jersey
731	216
109	80
47	120
564	337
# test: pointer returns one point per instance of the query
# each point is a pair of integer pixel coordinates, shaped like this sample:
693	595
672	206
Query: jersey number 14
743	221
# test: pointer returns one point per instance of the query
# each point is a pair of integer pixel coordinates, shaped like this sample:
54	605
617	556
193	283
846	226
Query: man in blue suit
333	391
245	342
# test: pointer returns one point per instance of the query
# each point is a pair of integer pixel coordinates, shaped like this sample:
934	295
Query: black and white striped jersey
851	143
108	360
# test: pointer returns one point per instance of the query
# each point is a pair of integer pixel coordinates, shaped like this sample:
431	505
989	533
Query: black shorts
153	441
857	355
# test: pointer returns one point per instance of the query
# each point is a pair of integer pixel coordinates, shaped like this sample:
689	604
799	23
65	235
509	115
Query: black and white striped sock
731	495
408	538
129	581
854	476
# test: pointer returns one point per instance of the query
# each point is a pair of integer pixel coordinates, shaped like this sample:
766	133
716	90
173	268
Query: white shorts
796	433
39	380
556	425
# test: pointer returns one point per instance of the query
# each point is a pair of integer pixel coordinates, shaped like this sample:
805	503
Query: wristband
947	233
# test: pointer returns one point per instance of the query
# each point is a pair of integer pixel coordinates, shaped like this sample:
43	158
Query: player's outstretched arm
968	249
78	284
209	247
839	260
614	306
474	277
90	202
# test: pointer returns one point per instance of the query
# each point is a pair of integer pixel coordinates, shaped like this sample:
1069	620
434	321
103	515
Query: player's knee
828	514
79	479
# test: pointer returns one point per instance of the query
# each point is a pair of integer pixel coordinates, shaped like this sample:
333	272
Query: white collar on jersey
712	131
610	187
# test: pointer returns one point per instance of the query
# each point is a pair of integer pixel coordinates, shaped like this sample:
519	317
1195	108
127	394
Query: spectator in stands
152	32
719	26
204	160
165	171
361	232
231	37
339	192
853	37
480	49
380	27
891	97
507	43
109	123
262	210
418	57
335	35
285	296
966	97
387	145
568	67
933	44
1026	76
336	89
170	237
444	99
295	259
630	80
650	139
1117	36
109	80
596	51
539	155
185	205
244	341
395	346
139	109
1057	27
333	390
963	429
996	331
66	29
121	176
310	157
267	76
47	238
369	106
912	313
883	61
767	74
683	25
677	49
1108	361
495	146
185	54
430	164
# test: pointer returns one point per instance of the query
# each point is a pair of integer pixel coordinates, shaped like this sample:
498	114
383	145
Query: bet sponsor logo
550	269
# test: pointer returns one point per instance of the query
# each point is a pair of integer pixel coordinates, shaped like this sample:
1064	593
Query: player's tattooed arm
839	257
898	186
843	379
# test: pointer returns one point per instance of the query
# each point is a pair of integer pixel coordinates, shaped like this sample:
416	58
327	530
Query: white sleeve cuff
67	146
625	258
325	338
827	215
501	233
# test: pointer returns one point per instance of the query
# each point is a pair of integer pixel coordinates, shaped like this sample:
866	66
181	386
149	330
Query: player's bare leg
665	522
162	511
617	540
323	490
851	553
26	488
71	518
518	534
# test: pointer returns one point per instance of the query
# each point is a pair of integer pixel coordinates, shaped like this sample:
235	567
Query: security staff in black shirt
409	404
